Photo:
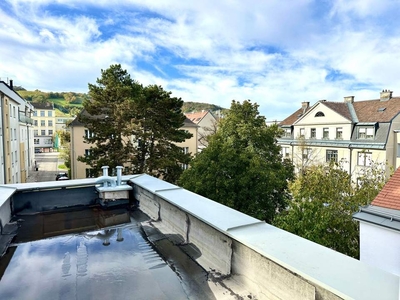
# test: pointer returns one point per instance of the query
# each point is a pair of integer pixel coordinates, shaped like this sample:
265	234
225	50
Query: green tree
242	166
156	118
134	126
324	199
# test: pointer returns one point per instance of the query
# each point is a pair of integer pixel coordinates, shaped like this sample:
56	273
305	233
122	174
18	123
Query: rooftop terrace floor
92	253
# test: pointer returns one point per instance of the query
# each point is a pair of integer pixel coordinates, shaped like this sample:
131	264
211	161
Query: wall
374	248
268	261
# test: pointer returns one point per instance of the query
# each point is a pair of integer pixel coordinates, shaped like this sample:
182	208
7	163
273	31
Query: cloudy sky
273	52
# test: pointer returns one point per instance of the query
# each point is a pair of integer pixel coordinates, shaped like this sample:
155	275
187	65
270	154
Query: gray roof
385	217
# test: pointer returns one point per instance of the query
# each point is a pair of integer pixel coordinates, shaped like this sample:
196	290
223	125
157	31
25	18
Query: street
47	164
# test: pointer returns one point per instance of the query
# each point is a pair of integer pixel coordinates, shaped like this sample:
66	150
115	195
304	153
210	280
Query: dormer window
320	114
365	133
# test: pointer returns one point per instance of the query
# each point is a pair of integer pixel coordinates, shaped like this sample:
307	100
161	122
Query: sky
275	53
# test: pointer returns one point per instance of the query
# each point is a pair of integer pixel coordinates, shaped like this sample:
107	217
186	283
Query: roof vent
382	109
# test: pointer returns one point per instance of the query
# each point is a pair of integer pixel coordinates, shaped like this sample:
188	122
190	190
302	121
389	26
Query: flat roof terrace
213	251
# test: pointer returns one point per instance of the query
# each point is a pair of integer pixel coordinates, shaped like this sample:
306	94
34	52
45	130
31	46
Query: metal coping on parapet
245	225
168	189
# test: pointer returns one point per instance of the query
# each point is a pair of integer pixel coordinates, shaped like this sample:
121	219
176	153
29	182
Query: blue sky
275	53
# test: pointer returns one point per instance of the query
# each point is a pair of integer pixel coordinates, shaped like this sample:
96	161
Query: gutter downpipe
350	160
2	135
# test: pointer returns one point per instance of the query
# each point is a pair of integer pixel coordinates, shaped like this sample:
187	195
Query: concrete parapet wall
215	247
265	278
268	261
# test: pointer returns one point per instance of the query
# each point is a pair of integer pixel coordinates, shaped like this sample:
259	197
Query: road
47	164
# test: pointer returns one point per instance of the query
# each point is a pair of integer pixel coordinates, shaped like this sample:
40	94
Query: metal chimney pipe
120	238
119	175
105	170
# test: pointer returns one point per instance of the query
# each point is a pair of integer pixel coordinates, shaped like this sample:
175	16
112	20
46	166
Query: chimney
304	106
11	84
349	99
386	95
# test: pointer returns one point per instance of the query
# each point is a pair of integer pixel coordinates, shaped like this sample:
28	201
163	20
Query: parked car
37	150
62	176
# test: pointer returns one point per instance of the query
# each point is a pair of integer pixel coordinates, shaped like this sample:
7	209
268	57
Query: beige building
44	126
207	123
354	133
80	170
16	136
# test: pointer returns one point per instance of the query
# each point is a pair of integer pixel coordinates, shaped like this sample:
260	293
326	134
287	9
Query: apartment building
16	136
44	126
62	123
80	170
354	133
207	123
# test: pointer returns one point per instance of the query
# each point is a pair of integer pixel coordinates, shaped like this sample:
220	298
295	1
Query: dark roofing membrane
71	255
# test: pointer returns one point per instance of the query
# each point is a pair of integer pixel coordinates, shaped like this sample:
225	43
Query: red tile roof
196	116
293	117
389	196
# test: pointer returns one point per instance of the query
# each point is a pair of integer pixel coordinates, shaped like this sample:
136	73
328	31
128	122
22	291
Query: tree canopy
242	166
134	126
324	199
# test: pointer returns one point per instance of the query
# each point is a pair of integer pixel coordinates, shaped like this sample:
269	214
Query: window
89	173
285	152
313	133
287	133
87	152
35	122
302	132
42	113
331	155
35	113
15	134
364	158
36	132
320	114
325	133
339	133
16	156
50	123
49	113
42	123
14	112
50	132
306	153
365	133
398	150
88	134
42	132
185	150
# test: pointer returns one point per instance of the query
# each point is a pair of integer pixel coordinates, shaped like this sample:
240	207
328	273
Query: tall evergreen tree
134	126
242	166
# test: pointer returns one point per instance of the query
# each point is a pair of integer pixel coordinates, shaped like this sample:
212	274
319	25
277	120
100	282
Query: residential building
78	146
354	133
380	228
16	136
207	123
44	126
62	123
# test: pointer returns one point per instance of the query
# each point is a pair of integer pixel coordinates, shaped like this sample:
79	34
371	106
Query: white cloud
210	51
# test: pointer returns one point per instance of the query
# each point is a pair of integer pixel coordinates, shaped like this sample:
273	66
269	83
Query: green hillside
70	103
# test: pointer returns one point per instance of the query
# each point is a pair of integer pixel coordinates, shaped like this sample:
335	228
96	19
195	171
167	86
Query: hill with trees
71	103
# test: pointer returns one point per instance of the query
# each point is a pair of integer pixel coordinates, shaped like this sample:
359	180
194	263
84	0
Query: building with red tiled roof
354	133
207	123
380	228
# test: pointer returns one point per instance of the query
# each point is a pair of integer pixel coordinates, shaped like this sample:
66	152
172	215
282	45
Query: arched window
320	114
